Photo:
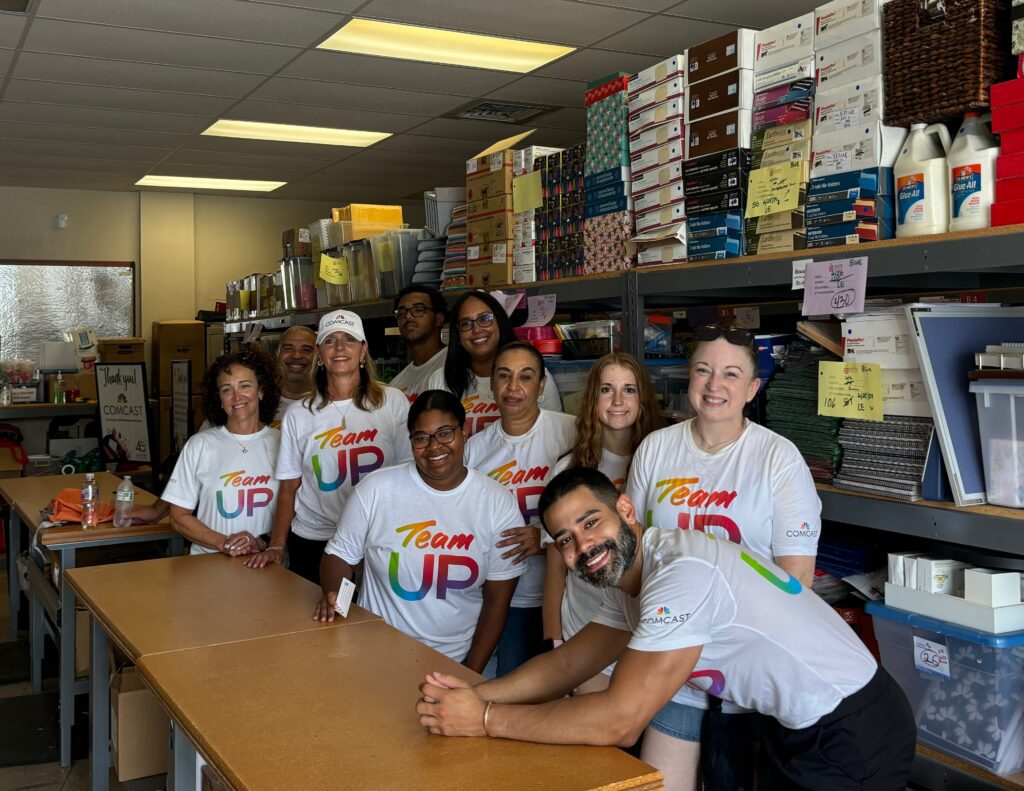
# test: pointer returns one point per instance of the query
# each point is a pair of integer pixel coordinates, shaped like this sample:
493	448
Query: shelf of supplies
988	527
29	411
936	770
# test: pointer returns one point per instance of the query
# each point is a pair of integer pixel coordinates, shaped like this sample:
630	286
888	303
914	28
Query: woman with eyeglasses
350	426
427	534
483	328
520	452
724	475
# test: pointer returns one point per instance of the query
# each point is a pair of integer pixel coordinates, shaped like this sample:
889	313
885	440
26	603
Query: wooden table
27	497
173	604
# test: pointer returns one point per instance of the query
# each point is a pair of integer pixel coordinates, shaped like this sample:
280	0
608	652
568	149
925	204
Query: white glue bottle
972	174
922	182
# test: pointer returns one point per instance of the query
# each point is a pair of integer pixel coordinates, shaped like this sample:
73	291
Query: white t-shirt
758	492
770	644
331	460
230	491
412	380
524	465
478	400
282	407
428	553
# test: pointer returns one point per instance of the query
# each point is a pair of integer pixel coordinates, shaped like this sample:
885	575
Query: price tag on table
931	657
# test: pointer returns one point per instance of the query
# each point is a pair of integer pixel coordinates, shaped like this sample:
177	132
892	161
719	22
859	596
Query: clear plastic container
571	378
90	498
124	503
394	255
1001	424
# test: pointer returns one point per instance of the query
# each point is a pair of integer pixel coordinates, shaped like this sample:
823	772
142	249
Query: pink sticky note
835	286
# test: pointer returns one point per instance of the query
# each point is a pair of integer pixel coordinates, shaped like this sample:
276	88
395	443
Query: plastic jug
922	182
972	174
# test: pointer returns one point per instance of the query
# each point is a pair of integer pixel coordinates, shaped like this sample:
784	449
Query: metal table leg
37	637
99	708
177	546
13	582
186	760
67	656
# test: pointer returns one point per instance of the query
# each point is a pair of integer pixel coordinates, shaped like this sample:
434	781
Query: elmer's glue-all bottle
972	174
922	182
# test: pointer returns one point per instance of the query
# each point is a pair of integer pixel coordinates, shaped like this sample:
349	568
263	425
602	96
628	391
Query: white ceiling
96	94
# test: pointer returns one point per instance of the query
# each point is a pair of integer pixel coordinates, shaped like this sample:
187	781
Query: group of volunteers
611	580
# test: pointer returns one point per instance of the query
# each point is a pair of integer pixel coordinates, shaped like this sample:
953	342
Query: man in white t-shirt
683	607
421	313
295	355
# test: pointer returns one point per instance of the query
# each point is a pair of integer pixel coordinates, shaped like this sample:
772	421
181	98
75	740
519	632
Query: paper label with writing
931	657
344	600
775	189
851	390
835	286
799	272
540	310
334	270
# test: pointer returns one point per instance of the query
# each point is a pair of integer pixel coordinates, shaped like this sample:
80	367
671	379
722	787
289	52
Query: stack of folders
454	268
792	409
885	457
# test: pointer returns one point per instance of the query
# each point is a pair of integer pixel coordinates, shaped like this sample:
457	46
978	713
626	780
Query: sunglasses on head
735	335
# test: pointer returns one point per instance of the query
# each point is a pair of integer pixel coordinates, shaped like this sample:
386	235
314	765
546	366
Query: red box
1009	166
783	114
1009	213
1009	190
1012	142
1010	116
604	91
1006	93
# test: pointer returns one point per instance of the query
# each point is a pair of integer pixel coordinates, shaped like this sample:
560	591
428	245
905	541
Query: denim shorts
679	721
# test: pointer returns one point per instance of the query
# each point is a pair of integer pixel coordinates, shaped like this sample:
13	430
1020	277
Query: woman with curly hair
226	474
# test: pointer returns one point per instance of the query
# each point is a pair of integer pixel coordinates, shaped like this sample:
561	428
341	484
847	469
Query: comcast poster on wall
124	419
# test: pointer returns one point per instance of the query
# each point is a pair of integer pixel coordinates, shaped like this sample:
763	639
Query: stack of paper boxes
719	109
524	231
608	205
559	221
783	103
851	196
489	224
1008	121
657	146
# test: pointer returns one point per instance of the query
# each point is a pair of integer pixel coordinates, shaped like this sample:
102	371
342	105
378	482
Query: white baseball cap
340	321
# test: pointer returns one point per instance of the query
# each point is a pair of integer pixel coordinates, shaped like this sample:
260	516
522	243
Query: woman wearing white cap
352	425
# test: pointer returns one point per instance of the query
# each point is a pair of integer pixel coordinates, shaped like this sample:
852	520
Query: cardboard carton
854	59
659	72
731	90
299	241
139	728
734	50
121	350
841	20
178	340
719	133
489	265
785	43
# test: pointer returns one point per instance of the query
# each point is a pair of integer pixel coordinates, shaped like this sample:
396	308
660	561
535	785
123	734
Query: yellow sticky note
775	189
334	270
385	257
526	192
850	390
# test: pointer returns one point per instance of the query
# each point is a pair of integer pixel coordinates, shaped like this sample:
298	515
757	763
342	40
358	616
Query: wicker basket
941	57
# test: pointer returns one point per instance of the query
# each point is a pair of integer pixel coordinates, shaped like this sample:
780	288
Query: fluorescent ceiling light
198	183
432	45
290	133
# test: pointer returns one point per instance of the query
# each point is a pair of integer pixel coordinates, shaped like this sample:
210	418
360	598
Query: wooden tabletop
986	510
170	604
338	706
28	496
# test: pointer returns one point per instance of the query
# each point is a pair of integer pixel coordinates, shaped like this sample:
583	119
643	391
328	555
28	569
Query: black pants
304	556
866	744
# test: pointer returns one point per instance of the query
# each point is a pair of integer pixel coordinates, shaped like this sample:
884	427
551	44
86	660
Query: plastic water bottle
922	182
90	497
972	174
124	503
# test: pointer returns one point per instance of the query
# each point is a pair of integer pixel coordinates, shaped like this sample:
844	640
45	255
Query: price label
931	657
385	257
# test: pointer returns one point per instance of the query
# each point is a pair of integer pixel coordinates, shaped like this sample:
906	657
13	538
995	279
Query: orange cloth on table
67	507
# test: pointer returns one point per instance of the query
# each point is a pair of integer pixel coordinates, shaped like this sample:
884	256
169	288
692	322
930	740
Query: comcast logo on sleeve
663	616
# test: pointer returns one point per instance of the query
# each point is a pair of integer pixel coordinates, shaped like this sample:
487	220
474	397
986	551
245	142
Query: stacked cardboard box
657	147
784	98
489	223
719	116
849	135
608	204
1008	122
559	221
524	232
359	220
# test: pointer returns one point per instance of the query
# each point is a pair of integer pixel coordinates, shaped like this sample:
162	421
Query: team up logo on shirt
418	536
685	493
710	681
251	492
792	585
511	476
355	457
478	413
664	616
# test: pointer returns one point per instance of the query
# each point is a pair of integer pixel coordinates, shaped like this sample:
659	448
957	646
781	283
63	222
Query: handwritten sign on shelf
850	390
776	189
835	286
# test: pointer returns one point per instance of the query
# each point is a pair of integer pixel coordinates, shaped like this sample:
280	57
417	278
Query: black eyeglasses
484	320
417	311
735	335
444	435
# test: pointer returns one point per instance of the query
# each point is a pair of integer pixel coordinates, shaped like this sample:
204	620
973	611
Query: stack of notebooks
454	271
885	457
792	409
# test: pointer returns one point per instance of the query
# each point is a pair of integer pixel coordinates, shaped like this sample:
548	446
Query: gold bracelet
487	711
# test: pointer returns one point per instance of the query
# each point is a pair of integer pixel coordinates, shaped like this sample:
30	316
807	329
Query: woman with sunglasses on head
724	475
350	426
520	452
480	327
617	412
427	532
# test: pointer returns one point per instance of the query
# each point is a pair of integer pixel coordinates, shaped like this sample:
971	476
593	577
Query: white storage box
855	59
788	42
1001	423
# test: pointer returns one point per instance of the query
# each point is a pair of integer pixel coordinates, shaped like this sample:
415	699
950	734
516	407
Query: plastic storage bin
571	378
1001	423
976	714
439	204
394	254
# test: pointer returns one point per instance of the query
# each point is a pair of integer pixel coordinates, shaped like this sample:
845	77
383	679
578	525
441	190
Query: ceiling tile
276	112
83	150
115	98
408	159
144	76
172	49
421	144
391	73
589	64
190	156
357	97
664	36
338	6
742	13
65	133
566	118
6	56
90	116
555	21
640	5
466	129
11	26
72	163
543	90
234	19
272	147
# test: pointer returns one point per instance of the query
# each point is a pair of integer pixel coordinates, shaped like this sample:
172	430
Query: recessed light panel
198	183
290	133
